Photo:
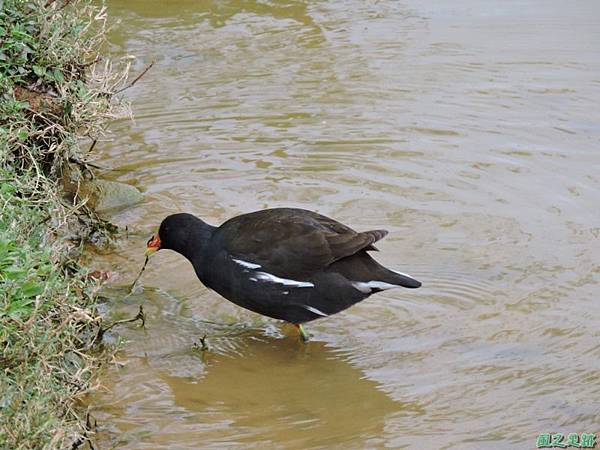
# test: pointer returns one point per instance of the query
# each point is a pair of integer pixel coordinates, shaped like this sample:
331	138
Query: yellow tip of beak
150	251
153	245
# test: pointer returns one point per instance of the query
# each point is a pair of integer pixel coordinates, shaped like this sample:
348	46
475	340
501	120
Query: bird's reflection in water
266	390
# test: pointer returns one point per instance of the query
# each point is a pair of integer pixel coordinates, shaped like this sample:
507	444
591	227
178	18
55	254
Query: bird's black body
285	263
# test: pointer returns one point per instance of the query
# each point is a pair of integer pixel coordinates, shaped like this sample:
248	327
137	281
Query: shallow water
469	130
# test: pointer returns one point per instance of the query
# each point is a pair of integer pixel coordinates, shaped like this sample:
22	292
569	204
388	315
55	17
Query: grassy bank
55	99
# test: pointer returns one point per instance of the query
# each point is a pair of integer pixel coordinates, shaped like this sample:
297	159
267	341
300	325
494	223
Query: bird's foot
303	334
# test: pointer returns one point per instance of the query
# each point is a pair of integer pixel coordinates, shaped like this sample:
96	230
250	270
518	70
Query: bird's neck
194	247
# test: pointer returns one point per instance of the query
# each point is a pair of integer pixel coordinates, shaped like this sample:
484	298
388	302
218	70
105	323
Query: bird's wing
292	242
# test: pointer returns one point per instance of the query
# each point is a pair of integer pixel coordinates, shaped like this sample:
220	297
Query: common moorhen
286	263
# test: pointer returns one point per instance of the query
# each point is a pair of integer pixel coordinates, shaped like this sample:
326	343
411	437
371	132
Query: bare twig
203	347
140	316
136	78
138	277
92	146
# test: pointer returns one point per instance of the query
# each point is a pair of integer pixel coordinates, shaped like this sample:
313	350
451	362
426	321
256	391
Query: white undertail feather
369	286
404	274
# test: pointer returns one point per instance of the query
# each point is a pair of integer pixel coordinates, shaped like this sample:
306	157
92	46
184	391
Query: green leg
303	334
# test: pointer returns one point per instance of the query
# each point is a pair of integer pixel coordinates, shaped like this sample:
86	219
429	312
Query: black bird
286	263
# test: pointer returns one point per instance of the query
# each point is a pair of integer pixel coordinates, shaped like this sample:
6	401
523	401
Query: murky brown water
470	130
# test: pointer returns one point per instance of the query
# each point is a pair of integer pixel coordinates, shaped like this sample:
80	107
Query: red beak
153	245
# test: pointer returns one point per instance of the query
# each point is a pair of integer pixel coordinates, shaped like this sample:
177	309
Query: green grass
45	320
52	98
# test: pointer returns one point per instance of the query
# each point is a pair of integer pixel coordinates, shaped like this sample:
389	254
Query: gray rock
101	195
105	195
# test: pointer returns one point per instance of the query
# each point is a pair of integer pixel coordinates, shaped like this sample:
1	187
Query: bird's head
176	232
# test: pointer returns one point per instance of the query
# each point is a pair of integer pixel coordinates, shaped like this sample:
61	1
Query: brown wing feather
294	242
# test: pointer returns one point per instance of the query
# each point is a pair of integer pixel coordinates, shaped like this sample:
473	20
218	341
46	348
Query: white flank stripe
368	287
269	277
246	264
315	310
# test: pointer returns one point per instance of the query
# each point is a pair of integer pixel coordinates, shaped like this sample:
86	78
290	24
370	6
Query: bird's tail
371	276
402	279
